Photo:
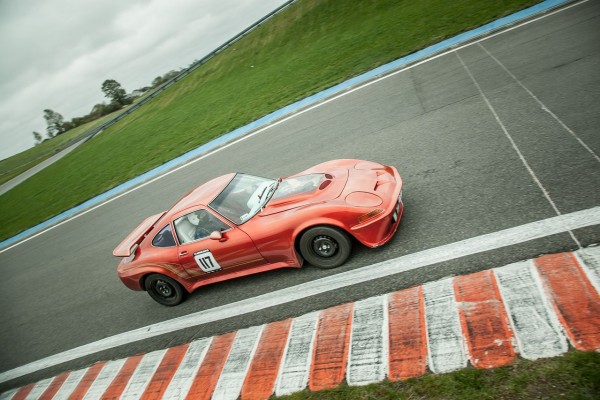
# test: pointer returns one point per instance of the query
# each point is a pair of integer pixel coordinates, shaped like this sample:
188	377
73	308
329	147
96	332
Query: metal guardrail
93	132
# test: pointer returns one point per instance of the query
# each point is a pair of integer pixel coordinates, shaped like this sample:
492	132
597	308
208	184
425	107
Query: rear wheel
164	290
325	247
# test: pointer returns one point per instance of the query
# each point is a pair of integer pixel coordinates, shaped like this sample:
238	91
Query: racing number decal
206	261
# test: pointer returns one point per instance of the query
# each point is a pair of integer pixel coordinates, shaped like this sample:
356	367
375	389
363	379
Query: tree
55	123
38	137
114	91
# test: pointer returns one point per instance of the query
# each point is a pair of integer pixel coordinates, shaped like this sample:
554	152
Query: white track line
236	367
533	321
295	366
70	384
143	373
39	389
445	344
542	105
104	379
514	144
296	114
491	241
367	358
589	259
186	372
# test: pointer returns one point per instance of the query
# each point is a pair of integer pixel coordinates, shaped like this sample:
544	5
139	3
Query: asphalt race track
494	135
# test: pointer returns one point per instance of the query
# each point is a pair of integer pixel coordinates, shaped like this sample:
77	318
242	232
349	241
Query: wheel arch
162	271
320	222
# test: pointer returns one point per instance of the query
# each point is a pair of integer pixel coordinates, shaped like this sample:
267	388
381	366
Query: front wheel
164	290
325	247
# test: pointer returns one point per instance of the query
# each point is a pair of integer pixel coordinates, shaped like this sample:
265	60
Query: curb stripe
184	376
22	393
444	337
142	375
86	381
54	386
407	334
235	369
331	347
39	389
104	379
483	320
590	258
410	262
211	367
486	317
164	373
295	366
117	386
580	315
70	384
367	356
263	371
535	325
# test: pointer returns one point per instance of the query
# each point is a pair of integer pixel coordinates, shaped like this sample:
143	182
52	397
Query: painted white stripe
514	144
142	375
367	357
447	348
295	366
534	323
589	259
452	251
542	105
298	113
234	372
70	384
186	372
104	379
39	389
9	395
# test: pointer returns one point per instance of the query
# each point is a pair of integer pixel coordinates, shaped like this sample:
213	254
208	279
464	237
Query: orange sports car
237	225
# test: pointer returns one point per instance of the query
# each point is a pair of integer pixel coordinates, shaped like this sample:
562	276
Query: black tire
325	247
164	290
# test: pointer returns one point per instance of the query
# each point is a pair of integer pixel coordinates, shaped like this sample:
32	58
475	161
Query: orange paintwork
407	334
580	315
484	320
267	240
332	341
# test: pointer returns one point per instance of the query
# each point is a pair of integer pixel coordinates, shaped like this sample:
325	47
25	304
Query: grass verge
576	375
310	46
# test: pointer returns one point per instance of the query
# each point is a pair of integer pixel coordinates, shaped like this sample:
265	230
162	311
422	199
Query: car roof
202	195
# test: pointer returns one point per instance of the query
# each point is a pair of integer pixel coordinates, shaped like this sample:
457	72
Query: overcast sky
56	53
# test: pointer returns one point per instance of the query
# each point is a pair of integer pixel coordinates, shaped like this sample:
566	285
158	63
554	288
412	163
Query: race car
237	224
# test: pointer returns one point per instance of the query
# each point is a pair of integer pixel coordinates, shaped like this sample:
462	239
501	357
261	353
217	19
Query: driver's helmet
194	219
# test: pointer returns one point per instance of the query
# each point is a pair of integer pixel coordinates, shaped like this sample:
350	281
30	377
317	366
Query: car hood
306	189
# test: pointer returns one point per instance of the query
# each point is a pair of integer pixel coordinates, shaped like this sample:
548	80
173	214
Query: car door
202	256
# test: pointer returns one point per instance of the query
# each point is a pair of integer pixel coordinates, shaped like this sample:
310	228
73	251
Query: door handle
183	253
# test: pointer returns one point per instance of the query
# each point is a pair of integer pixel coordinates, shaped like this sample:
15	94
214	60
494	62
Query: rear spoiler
125	248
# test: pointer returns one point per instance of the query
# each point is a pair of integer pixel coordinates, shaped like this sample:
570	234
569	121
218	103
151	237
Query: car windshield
244	197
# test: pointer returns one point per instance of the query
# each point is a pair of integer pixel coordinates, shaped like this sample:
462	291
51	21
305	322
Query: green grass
576	375
19	163
303	50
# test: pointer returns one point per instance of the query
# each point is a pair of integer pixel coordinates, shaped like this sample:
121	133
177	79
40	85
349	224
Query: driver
200	222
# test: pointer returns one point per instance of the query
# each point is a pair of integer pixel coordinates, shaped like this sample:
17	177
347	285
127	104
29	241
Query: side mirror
216	235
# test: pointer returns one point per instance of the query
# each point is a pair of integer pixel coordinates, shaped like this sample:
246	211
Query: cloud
57	53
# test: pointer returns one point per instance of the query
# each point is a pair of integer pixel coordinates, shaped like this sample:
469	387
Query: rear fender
166	271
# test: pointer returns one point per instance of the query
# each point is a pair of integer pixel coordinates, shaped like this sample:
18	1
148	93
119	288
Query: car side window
164	238
198	225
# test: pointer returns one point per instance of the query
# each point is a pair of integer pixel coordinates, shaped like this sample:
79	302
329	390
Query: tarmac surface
494	135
